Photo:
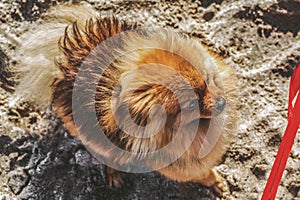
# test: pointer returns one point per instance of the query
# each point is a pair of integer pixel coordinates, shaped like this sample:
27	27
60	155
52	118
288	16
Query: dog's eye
193	104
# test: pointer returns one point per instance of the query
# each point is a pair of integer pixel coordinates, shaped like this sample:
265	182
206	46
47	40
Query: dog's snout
221	103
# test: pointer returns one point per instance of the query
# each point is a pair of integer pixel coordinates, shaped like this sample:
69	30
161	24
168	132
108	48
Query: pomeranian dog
148	90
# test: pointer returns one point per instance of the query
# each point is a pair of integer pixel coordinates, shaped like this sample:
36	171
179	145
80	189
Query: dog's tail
39	50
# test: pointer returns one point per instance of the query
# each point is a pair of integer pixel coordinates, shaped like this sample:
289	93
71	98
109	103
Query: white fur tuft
38	50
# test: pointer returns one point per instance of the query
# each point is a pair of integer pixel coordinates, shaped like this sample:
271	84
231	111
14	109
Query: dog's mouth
200	125
200	121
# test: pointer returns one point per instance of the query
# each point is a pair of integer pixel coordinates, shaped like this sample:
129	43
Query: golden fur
158	71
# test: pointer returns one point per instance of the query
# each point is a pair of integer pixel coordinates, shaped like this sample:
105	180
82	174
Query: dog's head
186	99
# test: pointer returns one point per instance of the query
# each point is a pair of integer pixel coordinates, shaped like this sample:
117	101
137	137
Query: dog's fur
162	69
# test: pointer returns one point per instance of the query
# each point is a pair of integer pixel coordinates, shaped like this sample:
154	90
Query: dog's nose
221	103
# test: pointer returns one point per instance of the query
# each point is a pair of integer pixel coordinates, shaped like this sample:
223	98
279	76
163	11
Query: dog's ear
131	107
135	104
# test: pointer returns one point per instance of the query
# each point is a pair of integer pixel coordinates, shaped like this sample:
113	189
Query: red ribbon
288	138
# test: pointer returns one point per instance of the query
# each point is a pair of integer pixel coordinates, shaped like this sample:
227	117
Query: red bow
288	138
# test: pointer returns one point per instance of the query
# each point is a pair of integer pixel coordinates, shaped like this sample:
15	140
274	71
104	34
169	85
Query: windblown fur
39	50
124	70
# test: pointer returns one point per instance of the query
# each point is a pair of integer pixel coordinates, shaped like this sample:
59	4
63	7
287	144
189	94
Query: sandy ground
39	160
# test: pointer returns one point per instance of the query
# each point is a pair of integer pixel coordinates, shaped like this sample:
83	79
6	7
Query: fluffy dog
83	65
